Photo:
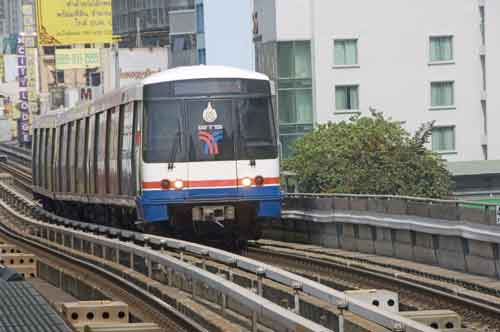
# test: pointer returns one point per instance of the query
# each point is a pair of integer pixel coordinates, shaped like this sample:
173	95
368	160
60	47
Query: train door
211	148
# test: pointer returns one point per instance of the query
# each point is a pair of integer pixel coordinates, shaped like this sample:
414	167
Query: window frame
454	133
346	110
442	62
351	65
452	106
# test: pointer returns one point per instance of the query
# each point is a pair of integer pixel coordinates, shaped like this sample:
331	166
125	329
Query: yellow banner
68	22
77	58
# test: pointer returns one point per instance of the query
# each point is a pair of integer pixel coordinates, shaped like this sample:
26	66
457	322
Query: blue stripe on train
153	204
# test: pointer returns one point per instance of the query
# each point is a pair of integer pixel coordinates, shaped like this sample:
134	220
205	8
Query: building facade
10	24
431	60
176	24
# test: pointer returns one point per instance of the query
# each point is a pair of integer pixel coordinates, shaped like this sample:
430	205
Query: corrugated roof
23	309
480	167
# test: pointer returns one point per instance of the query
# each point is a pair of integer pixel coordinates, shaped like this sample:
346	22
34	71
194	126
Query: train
190	151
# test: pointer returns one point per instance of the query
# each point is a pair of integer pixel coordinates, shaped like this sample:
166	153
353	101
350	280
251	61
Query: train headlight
179	184
259	180
165	184
246	182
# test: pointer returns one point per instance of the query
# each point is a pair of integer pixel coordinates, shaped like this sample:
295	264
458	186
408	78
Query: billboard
139	63
68	22
77	58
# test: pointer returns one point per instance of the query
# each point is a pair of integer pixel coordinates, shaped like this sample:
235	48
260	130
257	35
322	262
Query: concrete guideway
372	224
264	308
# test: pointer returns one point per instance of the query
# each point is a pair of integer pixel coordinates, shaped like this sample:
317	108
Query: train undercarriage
184	223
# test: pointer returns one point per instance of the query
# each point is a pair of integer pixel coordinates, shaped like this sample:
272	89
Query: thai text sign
68	22
77	58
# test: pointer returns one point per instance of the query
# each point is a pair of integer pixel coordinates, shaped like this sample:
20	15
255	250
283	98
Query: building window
59	76
295	106
294	60
346	52
443	139
294	83
202	56
347	98
200	18
442	94
441	48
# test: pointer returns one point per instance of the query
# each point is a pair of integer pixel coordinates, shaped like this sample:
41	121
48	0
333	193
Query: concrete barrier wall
326	221
484	214
455	253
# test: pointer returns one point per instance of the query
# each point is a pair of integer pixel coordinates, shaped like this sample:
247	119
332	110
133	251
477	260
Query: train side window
101	155
39	157
76	148
52	159
70	145
46	155
86	155
63	146
35	155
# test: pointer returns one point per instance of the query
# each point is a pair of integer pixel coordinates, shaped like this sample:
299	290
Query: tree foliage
369	155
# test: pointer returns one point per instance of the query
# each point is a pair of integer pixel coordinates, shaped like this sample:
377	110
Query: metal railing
261	309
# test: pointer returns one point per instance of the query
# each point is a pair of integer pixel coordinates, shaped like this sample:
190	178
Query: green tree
369	155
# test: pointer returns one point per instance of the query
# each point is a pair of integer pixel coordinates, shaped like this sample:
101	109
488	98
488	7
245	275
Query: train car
191	150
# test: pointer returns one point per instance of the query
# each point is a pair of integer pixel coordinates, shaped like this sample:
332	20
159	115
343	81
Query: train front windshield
205	120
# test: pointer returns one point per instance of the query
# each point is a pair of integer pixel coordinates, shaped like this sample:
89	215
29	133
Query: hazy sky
228	29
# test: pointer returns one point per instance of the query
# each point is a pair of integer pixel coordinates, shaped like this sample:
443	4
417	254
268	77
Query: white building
417	61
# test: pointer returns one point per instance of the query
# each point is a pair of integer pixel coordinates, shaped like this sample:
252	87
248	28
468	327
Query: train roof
203	72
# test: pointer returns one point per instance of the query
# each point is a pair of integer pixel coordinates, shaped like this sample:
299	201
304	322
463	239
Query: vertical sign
24	125
27	63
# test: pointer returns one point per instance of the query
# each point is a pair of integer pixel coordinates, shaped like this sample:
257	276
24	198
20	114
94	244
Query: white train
191	150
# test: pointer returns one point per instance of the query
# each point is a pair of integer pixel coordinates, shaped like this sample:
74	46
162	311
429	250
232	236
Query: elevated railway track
419	289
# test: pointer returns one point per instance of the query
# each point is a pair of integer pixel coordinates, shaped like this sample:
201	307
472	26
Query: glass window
163	132
287	144
302	60
295	106
200	18
257	139
294	60
443	139
285	60
202	56
347	97
442	48
442	94
346	52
